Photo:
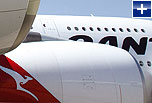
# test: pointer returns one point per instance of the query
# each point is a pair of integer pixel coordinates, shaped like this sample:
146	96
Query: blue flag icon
141	8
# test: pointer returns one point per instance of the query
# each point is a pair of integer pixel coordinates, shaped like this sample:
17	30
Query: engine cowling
71	72
16	18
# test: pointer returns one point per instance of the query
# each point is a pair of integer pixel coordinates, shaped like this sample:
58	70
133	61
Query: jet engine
16	18
72	72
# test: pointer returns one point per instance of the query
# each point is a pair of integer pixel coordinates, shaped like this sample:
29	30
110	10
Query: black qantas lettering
139	48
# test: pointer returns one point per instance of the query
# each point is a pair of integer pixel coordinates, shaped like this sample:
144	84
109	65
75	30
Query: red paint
8	86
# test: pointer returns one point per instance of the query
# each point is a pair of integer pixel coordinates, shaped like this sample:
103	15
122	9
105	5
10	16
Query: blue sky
116	8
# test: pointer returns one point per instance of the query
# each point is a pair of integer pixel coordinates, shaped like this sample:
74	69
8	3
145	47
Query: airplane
132	35
63	71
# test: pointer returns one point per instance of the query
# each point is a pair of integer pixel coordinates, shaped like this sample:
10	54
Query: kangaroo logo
19	86
19	80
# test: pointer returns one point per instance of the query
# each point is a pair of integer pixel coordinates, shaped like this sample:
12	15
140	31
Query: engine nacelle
71	72
16	18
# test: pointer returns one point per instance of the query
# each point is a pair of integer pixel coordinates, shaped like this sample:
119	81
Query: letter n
140	48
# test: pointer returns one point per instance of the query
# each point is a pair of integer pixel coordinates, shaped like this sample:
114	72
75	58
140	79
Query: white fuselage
132	35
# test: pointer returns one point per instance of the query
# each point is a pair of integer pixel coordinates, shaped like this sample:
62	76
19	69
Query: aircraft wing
36	36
